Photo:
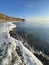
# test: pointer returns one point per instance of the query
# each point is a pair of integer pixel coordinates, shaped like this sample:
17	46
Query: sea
36	34
33	35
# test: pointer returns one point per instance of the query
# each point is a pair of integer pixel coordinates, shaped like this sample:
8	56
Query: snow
8	55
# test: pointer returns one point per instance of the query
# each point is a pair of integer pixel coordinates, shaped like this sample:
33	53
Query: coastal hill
4	17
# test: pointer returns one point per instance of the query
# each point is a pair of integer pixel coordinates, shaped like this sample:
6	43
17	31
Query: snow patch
8	53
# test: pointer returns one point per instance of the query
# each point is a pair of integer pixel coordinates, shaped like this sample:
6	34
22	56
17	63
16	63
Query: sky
30	9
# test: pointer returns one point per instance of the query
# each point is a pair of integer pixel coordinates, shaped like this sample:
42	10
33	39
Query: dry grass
7	18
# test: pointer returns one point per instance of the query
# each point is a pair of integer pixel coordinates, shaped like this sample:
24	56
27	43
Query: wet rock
9	42
1	50
42	59
18	51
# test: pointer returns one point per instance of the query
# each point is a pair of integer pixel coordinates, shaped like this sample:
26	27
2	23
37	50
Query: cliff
4	17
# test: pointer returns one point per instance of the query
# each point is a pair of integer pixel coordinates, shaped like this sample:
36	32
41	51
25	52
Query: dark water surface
37	34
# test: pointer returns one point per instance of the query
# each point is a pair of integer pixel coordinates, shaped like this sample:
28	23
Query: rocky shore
12	51
42	57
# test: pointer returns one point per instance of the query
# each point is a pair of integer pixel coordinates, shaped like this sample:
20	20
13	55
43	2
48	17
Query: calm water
36	34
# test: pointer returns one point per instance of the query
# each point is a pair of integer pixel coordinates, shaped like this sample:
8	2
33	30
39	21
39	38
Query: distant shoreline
6	18
10	21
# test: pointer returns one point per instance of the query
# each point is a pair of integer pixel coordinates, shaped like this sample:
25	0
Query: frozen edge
29	57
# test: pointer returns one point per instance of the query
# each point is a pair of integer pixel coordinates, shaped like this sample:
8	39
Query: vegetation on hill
8	18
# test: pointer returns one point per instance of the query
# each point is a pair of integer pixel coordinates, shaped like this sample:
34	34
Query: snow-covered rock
12	51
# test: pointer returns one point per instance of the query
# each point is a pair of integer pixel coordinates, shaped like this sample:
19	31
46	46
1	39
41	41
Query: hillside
4	17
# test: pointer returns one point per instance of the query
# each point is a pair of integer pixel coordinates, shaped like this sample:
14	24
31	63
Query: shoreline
40	57
44	60
4	17
14	50
10	21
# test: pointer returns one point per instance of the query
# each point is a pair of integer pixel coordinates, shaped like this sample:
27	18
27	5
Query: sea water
36	34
